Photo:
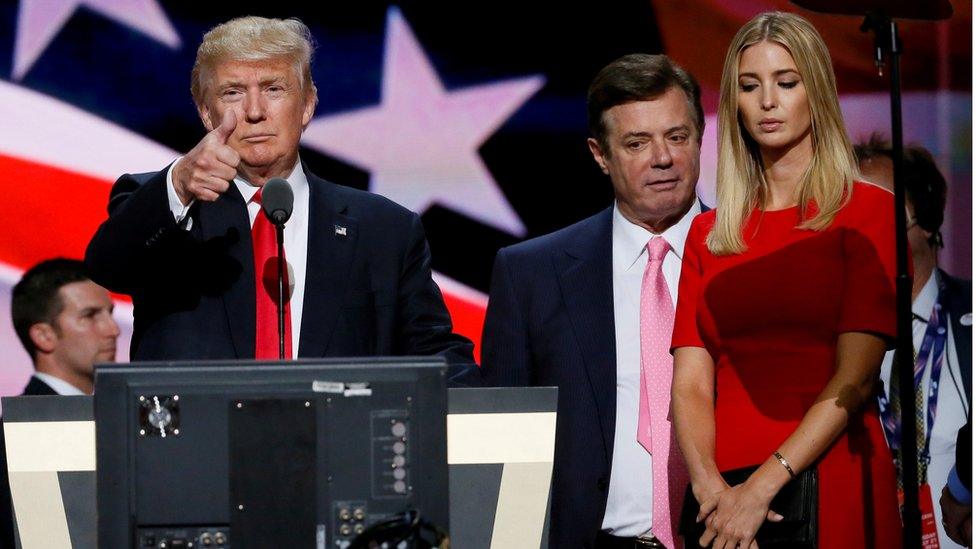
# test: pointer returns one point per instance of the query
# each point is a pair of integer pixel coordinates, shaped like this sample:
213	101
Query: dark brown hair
35	298
925	187
639	77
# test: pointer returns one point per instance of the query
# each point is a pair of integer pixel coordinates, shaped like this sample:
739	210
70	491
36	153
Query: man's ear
204	112
598	155
43	336
311	99
928	234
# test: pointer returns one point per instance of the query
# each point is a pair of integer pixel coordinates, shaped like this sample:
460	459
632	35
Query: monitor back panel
254	456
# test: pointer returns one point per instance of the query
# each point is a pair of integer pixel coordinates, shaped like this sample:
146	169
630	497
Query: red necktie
266	289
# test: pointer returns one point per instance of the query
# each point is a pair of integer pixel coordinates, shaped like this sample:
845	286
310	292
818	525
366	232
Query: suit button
602	484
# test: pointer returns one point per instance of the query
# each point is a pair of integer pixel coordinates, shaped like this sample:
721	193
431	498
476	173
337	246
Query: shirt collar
59	385
925	301
632	239
296	179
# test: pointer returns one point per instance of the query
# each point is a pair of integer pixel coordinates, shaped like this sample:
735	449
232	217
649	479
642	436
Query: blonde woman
786	305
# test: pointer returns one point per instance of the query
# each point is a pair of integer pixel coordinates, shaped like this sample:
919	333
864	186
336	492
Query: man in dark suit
64	320
191	245
565	310
949	360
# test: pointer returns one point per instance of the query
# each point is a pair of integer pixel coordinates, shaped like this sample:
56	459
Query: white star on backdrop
420	144
39	21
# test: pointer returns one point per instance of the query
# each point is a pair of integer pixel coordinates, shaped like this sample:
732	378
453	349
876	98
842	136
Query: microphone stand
887	44
280	236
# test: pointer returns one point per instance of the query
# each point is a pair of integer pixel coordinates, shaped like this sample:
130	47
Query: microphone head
277	200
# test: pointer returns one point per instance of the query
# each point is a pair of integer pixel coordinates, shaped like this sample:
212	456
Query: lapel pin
966	319
340	230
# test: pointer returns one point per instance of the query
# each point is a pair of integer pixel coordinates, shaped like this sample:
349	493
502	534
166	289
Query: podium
50	443
500	444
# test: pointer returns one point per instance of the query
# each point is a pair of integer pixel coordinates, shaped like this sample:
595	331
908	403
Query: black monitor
267	454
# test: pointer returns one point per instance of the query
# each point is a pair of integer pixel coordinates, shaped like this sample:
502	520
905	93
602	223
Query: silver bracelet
785	463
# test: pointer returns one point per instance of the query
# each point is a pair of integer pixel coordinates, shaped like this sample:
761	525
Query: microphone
277	200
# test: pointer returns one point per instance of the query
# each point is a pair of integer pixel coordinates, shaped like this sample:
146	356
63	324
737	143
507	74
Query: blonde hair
254	39
741	184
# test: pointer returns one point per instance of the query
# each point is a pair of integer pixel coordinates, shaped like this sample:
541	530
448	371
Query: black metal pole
905	351
280	234
887	41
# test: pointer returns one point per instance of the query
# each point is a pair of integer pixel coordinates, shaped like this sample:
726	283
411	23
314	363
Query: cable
407	526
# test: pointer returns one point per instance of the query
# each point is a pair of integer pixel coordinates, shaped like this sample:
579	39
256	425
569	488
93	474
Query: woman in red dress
786	304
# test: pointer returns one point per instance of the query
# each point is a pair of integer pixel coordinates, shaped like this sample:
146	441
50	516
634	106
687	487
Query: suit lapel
957	298
332	236
227	218
586	280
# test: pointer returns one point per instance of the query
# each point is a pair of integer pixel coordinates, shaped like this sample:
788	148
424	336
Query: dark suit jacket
368	292
964	454
958	300
550	322
36	387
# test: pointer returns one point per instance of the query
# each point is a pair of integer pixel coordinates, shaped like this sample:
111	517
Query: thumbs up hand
206	171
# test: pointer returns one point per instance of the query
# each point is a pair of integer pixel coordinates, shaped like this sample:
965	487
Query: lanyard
934	345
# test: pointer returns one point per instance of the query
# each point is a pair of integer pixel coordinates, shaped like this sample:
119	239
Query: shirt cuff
957	489
175	205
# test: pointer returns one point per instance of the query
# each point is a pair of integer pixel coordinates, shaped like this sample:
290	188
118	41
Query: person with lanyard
941	333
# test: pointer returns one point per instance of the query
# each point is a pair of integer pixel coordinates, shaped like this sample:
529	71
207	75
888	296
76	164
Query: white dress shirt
630	497
951	405
60	386
296	236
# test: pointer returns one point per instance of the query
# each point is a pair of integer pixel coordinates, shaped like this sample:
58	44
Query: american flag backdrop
471	114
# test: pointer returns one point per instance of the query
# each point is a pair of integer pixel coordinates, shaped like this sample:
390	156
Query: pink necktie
654	430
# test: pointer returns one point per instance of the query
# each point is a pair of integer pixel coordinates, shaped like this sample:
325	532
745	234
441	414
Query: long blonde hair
741	184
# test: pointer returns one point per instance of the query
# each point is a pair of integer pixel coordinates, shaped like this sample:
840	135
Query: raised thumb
227	125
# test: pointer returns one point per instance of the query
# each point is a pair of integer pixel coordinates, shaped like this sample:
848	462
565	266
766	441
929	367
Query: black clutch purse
797	502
